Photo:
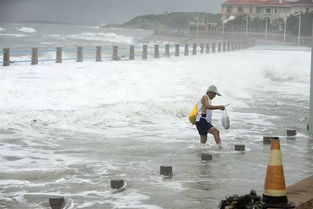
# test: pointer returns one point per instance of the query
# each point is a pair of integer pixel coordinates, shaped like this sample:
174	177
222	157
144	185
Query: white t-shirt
208	111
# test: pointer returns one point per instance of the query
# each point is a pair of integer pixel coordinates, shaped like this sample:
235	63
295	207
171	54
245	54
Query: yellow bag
193	114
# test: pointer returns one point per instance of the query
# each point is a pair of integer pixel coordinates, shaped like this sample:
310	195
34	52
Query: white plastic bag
225	120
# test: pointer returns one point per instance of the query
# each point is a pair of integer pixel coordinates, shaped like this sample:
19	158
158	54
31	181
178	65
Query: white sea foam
2	29
13	34
109	37
27	29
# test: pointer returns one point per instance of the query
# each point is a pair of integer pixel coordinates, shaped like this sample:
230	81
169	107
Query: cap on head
213	88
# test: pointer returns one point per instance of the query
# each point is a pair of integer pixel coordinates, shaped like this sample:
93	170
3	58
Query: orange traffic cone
275	194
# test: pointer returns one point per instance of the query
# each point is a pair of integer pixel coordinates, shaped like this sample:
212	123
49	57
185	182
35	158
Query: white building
272	9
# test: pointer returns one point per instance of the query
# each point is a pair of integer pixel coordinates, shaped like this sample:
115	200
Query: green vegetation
175	20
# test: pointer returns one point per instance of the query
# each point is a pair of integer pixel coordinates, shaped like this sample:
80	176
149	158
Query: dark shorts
203	126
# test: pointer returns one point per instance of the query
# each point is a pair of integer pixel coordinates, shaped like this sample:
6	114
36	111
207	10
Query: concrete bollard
167	50
115	53
56	202
58	56
156	52
176	50
194	49
224	46
239	147
201	48
6	56
213	47
34	56
166	170
267	139
186	53
219	47
131	52
206	157
117	184
79	57
291	132
207	48
228	46
145	52
98	53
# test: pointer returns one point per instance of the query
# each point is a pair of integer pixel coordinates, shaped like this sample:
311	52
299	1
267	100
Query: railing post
194	49
310	125
79	57
228	46
207	48
213	47
115	53
131	52
156	51
34	56
98	53
144	52
186	53
58	55
176	50
201	48
224	46
167	50
6	57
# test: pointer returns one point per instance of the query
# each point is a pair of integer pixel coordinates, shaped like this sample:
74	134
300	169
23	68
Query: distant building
272	9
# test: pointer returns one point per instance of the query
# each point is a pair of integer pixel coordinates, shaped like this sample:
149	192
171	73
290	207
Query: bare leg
203	139
216	134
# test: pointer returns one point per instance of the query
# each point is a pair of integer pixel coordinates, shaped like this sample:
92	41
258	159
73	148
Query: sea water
68	129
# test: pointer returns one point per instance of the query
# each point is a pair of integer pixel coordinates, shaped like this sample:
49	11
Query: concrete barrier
167	50
131	52
98	53
6	57
177	52
240	147
166	170
145	52
115	53
79	57
186	53
34	56
58	55
206	157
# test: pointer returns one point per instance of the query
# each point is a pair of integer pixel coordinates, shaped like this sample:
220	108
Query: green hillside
175	20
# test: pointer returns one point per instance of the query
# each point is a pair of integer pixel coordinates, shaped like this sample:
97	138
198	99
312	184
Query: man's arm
205	102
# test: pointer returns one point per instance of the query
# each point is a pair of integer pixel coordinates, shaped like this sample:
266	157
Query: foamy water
67	129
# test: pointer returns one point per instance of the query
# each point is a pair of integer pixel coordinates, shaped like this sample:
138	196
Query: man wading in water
204	117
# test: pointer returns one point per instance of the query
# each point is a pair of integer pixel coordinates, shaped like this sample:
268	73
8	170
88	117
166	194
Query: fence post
131	52
98	53
213	47
6	57
115	53
156	51
176	50
207	48
58	55
167	50
186	53
144	52
34	56
79	54
201	48
194	49
224	46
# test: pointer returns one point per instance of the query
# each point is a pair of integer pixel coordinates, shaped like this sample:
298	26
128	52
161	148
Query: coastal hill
175	20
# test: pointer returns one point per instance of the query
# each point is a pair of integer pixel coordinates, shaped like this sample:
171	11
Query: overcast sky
96	12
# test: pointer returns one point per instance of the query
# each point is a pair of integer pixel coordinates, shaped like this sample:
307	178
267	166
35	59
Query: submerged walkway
301	193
